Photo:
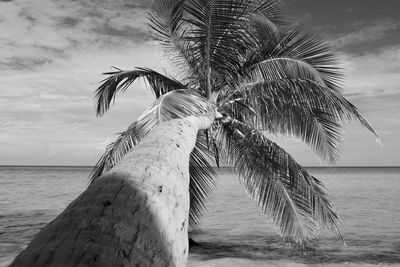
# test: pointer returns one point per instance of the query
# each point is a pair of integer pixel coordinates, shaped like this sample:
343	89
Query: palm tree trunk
134	215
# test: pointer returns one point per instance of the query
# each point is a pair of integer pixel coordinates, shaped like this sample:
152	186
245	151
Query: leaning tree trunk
134	215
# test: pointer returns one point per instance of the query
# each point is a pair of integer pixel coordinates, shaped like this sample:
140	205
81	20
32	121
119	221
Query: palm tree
122	219
264	75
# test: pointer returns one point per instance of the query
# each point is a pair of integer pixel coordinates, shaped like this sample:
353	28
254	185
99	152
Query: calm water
234	231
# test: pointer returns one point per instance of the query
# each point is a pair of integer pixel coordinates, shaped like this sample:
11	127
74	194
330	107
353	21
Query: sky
52	54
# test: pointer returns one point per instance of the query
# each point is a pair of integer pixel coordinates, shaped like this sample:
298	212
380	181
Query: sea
234	230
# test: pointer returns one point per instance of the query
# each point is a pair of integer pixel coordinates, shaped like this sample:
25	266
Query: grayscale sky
53	51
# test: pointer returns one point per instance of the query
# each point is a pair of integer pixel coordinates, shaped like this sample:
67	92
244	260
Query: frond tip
119	80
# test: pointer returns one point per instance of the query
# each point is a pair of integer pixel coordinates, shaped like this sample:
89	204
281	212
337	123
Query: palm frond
276	68
294	109
263	30
165	20
271	10
120	80
293	199
175	104
296	44
202	179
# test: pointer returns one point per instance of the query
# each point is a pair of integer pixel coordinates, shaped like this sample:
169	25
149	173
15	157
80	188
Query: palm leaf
295	109
296	44
165	20
293	199
172	105
120	80
202	180
317	96
271	10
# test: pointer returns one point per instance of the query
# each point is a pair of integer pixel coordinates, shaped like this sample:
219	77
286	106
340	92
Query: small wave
272	248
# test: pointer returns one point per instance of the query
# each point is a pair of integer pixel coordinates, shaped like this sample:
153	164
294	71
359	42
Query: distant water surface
234	231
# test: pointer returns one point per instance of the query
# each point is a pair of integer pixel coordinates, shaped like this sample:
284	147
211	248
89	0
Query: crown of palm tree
265	75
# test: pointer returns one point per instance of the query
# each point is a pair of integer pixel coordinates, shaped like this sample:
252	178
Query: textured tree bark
134	215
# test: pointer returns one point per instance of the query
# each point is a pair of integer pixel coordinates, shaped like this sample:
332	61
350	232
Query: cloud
44	29
20	63
366	33
372	73
68	22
